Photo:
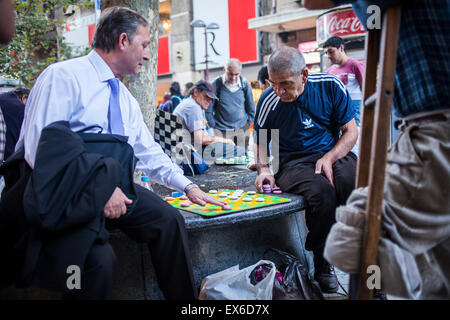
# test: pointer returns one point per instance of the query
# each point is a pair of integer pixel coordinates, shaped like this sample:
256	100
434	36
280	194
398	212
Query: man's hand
325	164
199	197
264	177
229	141
116	205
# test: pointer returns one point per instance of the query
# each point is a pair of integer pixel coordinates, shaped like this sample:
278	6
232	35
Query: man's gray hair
235	62
113	22
286	59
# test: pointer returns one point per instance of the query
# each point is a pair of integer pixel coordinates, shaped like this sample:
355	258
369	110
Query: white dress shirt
233	87
77	91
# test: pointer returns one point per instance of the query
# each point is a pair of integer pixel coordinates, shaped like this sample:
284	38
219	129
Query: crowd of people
313	119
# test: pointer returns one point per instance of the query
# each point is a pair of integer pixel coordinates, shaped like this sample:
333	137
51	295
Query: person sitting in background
175	95
190	110
163	106
187	89
174	99
12	106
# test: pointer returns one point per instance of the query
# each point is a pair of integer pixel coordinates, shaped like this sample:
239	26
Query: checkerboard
168	134
237	205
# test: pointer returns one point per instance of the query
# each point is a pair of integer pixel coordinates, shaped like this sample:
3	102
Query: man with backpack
234	111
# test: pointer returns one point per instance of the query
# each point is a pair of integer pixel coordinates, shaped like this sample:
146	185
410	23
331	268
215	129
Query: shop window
165	25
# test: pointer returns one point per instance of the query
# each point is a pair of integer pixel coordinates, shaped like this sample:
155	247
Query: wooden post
372	45
379	143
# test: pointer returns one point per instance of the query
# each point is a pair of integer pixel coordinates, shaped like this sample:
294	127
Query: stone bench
215	243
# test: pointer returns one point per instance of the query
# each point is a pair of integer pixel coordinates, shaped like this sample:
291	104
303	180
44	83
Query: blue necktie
114	114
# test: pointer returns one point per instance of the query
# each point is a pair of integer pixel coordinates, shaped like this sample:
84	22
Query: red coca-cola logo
339	23
343	25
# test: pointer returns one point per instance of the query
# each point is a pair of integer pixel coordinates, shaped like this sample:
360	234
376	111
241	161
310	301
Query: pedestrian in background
233	113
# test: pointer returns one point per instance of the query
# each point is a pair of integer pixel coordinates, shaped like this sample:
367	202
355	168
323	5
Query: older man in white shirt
234	111
80	91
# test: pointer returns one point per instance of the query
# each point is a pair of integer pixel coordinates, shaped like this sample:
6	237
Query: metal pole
206	56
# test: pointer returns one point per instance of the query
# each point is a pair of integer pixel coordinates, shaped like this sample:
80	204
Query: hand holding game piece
264	178
227	207
277	190
267	188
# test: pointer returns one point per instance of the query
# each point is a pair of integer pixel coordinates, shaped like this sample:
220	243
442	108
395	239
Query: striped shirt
312	122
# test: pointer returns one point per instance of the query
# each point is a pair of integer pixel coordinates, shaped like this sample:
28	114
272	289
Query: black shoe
324	274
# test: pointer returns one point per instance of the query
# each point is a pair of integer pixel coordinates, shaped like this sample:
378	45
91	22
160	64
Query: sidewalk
342	293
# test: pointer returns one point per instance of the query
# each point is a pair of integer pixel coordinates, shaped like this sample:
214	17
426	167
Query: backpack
168	105
219	85
172	108
165	106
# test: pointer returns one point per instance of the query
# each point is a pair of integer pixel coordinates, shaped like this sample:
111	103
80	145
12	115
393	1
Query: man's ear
124	41
305	73
341	48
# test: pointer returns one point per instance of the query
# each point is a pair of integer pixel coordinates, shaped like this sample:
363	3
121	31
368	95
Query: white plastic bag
234	284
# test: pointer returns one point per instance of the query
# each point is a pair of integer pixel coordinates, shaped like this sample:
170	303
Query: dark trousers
298	176
155	222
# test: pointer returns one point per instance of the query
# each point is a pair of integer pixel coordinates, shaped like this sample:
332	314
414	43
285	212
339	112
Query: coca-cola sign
342	23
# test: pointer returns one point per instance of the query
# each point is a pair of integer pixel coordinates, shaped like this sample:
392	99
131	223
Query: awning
296	19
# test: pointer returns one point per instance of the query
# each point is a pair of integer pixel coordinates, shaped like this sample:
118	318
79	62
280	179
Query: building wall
286	5
182	48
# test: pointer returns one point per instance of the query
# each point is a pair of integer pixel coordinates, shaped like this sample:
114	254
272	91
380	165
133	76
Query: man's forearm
344	144
262	159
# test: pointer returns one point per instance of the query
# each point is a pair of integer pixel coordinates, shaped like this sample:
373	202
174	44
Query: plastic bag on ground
297	282
236	284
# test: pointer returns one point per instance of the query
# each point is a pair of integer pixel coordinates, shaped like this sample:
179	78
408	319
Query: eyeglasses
231	74
286	85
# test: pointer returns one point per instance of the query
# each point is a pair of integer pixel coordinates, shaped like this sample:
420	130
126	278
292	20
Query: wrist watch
189	187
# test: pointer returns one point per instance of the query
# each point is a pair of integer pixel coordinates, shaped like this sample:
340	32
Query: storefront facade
307	30
341	22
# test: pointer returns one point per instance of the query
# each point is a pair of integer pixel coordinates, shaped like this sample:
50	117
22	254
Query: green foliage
36	43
